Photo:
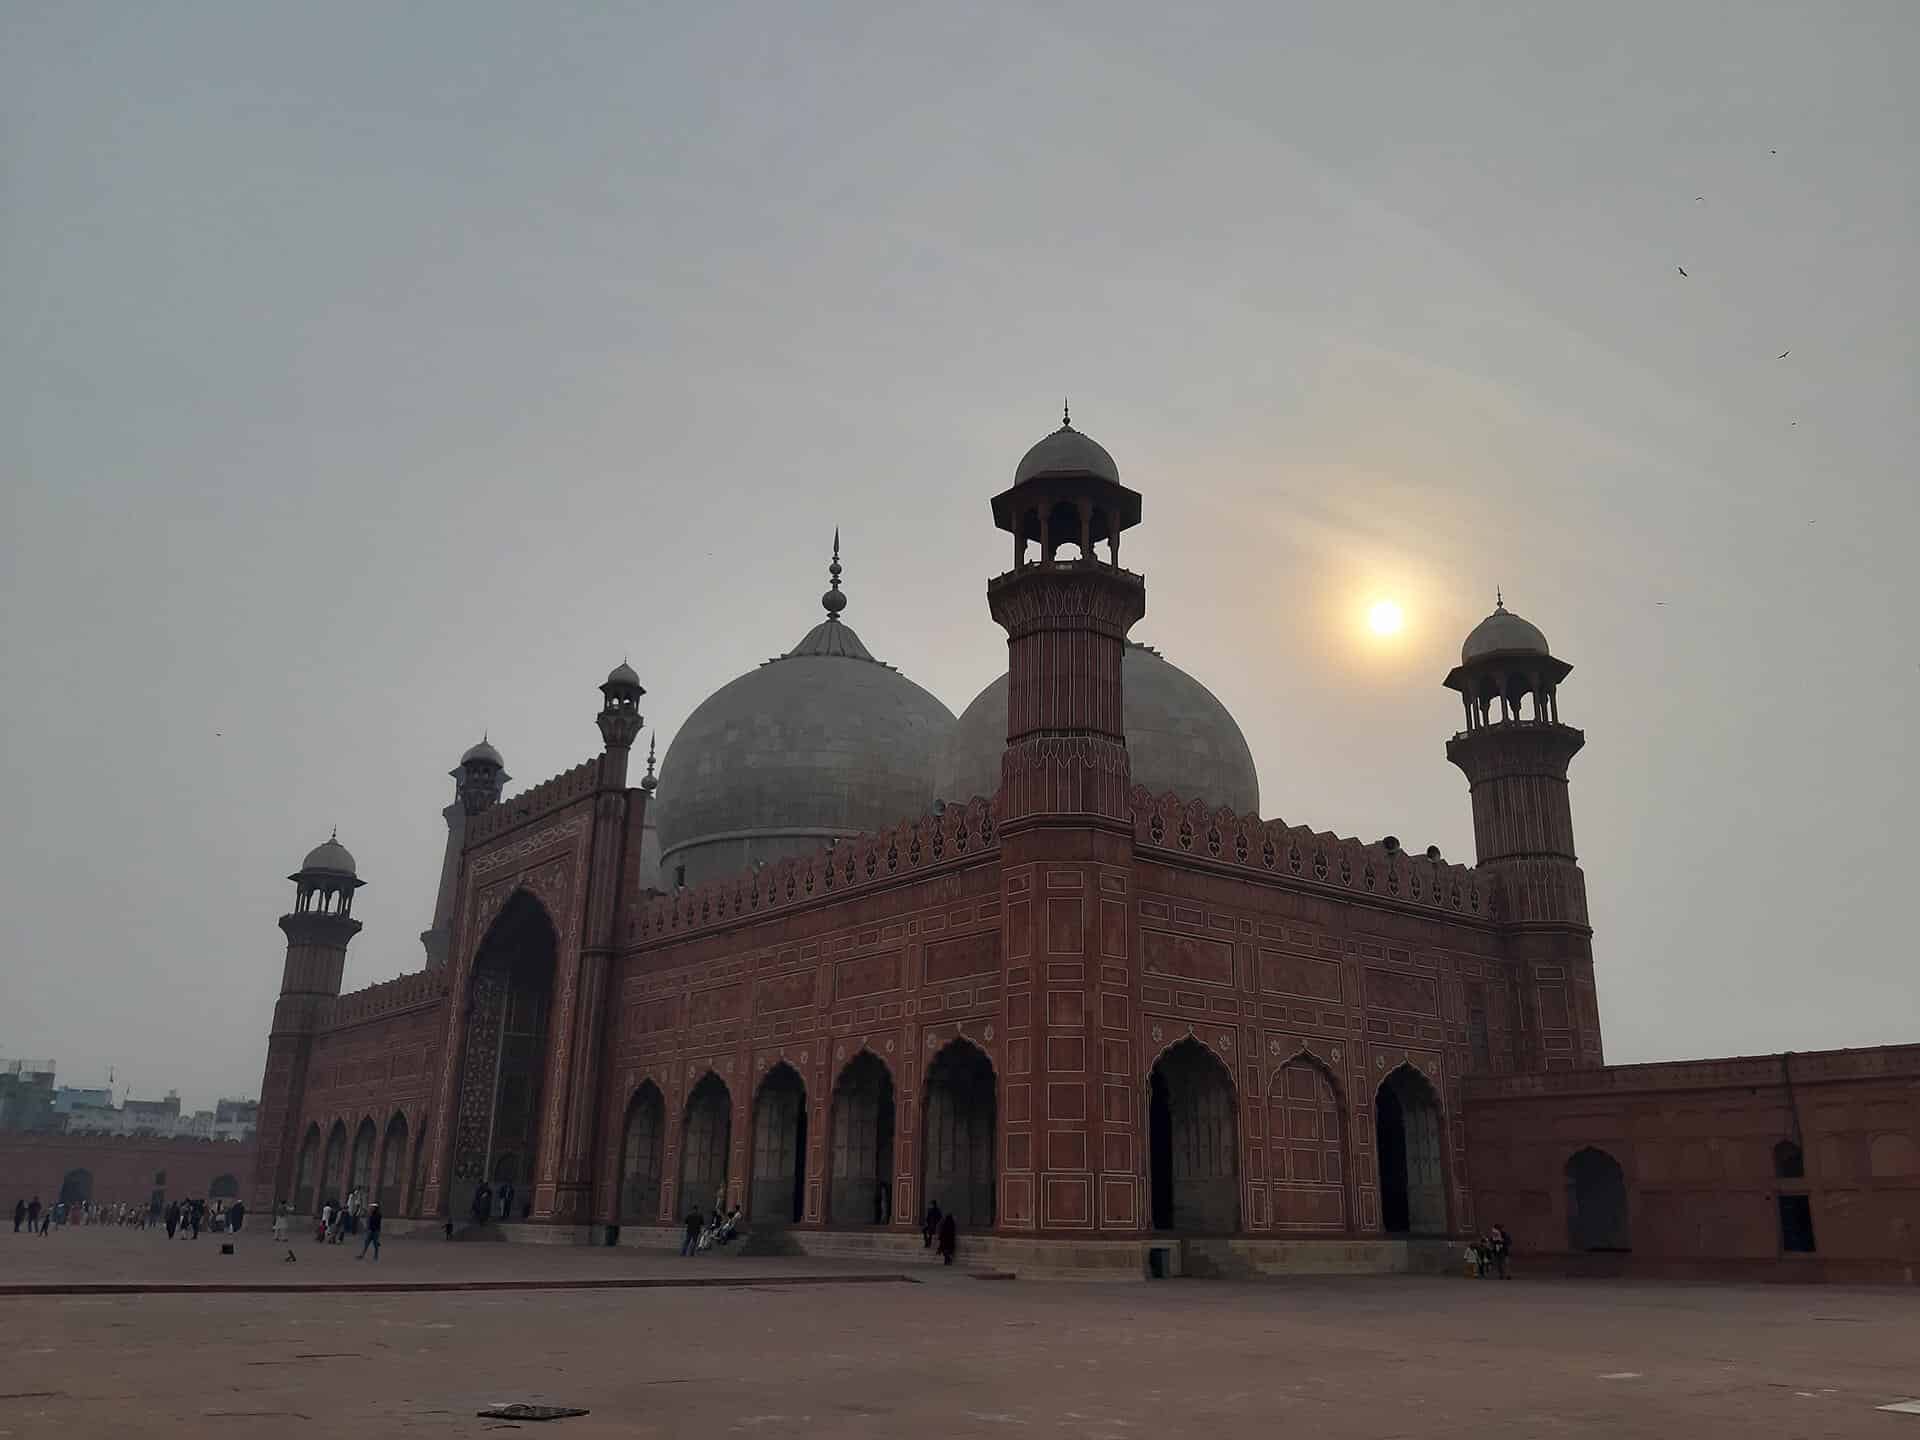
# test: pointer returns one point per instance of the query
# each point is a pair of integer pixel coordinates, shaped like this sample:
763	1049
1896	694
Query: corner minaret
1515	753
478	782
318	929
1066	620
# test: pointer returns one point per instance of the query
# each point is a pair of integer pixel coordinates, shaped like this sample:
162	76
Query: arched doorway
303	1176
413	1196
779	1148
961	1121
332	1172
76	1188
640	1155
393	1165
1193	1142
505	1060
360	1179
1306	1148
1408	1140
1596	1202
224	1187
706	1134
860	1190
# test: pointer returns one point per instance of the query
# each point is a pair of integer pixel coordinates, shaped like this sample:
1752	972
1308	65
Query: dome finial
1066	415
834	601
647	781
334	838
1499	600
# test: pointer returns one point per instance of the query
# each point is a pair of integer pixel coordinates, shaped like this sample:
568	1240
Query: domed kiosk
1179	738
820	742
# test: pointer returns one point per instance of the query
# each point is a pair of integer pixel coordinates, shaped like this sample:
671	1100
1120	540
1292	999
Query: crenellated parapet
956	834
1183	828
403	992
542	800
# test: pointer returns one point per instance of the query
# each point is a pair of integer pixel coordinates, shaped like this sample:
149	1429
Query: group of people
179	1217
357	1216
719	1227
933	1224
495	1202
1490	1252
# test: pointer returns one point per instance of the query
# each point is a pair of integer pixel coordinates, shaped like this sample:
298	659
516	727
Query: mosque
847	955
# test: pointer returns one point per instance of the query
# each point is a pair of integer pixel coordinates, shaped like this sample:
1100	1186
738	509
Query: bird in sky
1783	354
1683	270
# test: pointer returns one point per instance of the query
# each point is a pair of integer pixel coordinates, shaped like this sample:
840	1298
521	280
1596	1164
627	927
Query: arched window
224	1187
1597	1203
641	1155
1195	1144
393	1165
960	1134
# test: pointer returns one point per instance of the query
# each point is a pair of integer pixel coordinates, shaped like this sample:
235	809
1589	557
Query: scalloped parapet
1182	828
543	799
860	862
403	992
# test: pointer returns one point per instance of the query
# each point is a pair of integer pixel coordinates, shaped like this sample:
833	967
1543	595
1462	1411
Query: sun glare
1384	618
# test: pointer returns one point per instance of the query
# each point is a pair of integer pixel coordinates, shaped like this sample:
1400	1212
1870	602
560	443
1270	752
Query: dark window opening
1796	1224
1788	1161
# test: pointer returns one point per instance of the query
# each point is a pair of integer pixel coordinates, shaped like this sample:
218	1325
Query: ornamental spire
647	781
1066	415
834	601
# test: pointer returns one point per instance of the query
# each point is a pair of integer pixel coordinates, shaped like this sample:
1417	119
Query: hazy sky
373	375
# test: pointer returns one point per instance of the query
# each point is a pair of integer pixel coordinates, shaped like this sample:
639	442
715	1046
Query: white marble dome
1503	633
1179	738
823	741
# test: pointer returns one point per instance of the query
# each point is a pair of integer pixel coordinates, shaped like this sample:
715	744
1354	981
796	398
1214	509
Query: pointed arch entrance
1596	1202
961	1129
1306	1148
1408	1142
706	1135
333	1172
76	1187
860	1190
1193	1142
505	1059
642	1146
779	1148
360	1175
304	1177
393	1165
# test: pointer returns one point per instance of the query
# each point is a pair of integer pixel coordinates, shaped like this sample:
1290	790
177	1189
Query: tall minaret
478	782
1068	1162
318	930
1066	622
1515	752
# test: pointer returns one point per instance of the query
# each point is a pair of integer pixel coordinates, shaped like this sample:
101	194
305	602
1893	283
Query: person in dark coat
33	1215
949	1240
19	1215
173	1218
482	1204
373	1234
693	1233
929	1224
236	1216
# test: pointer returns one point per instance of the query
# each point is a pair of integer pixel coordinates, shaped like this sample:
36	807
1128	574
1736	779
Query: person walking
929	1224
197	1208
1502	1247
949	1239
33	1215
280	1213
373	1233
688	1245
19	1214
482	1203
236	1217
173	1218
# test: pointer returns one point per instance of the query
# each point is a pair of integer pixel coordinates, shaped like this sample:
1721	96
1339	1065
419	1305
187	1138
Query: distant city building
31	1102
26	1094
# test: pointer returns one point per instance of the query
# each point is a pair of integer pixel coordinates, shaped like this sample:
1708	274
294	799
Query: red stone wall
123	1168
1695	1141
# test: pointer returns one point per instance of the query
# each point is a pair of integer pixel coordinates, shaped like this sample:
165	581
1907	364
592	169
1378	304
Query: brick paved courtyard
948	1355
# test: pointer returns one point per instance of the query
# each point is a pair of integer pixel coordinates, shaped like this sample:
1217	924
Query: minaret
1068	1163
1066	621
478	782
318	930
1515	752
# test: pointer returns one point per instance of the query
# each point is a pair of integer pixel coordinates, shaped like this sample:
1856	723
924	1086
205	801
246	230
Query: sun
1384	618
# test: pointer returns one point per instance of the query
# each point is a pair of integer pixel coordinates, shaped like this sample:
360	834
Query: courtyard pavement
949	1355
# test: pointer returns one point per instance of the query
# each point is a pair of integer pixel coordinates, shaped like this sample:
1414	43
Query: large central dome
823	741
1179	738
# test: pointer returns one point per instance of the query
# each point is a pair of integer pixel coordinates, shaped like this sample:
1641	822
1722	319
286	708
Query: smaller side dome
331	857
1503	633
482	754
622	676
1067	452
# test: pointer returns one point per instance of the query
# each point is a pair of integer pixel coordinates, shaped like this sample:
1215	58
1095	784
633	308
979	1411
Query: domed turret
1179	738
1502	633
823	741
329	857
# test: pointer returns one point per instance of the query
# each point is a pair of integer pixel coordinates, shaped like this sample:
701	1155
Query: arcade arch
365	1139
642	1146
393	1165
1306	1148
1194	1143
1409	1144
962	1114
706	1133
1596	1202
860	1186
334	1168
779	1148
505	1057
303	1173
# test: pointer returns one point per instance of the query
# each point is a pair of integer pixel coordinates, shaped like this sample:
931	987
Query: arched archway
505	1058
706	1133
641	1151
303	1173
360	1177
224	1187
419	1171
393	1165
1306	1148
779	1148
1596	1202
1193	1142
1409	1143
860	1188
333	1171
76	1187
961	1130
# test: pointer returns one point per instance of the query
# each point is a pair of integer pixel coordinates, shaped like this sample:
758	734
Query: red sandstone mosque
1045	965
